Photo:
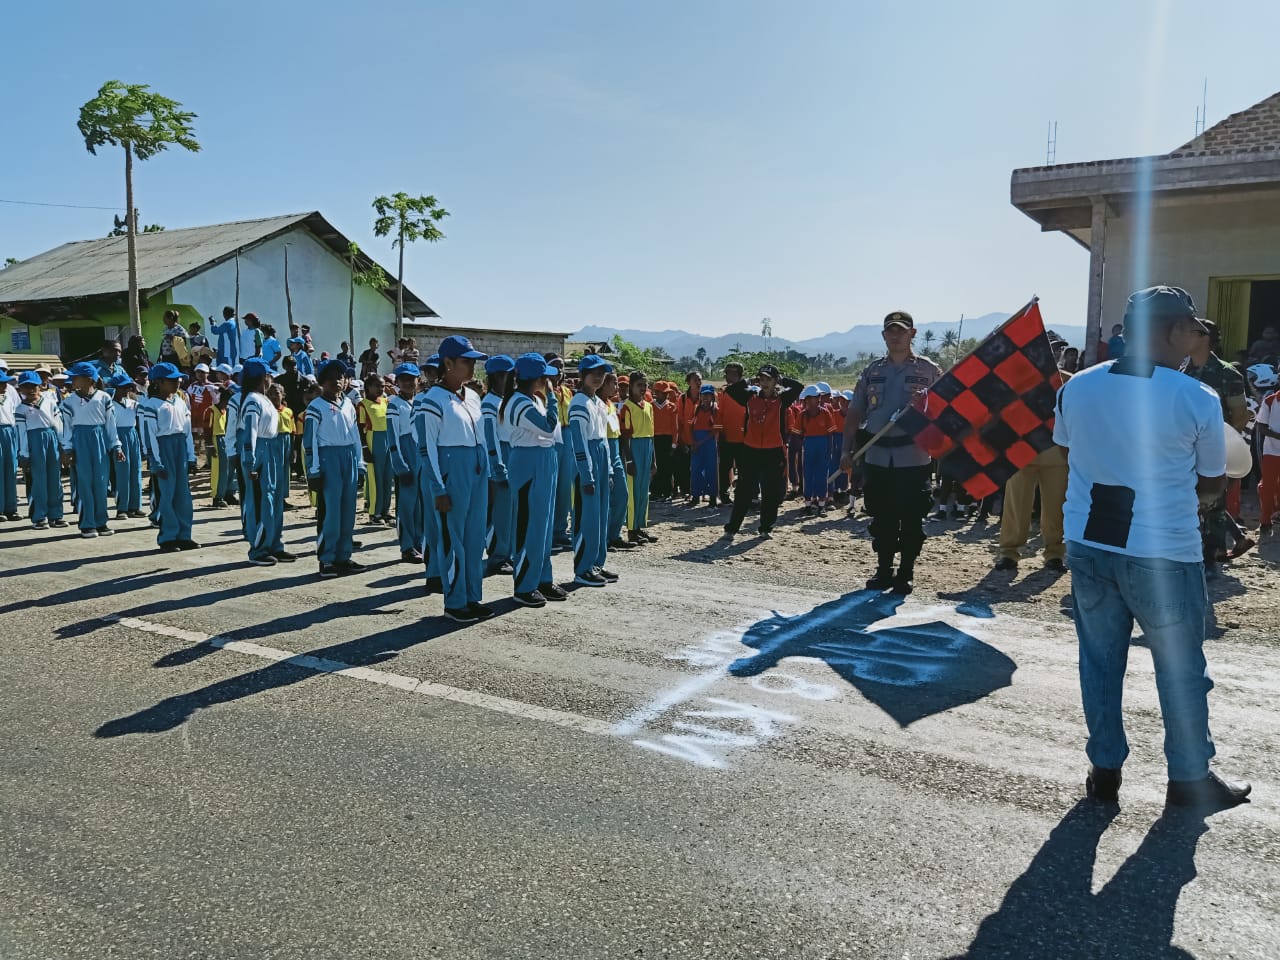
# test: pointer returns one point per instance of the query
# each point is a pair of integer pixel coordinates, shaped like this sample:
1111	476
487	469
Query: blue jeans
1169	602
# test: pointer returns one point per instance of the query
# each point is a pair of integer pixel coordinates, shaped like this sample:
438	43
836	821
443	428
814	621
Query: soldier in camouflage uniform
898	473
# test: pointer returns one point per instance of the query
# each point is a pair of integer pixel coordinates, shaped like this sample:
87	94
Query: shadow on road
1052	913
910	671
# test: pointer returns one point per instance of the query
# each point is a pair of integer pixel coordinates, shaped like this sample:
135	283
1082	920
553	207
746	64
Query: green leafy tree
10	261
364	273
121	228
631	357
701	355
409	219
142	123
929	337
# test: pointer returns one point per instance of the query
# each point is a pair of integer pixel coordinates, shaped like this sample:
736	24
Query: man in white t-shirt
1267	428
1146	447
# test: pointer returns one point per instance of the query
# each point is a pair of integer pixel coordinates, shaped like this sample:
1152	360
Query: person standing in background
731	418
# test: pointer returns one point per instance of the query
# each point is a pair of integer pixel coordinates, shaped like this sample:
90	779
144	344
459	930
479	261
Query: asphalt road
203	759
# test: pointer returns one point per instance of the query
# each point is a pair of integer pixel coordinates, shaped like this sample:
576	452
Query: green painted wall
152	325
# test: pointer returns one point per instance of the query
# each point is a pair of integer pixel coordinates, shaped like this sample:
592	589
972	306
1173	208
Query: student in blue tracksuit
335	468
265	470
90	438
128	470
532	425
425	484
228	332
404	462
171	455
458	474
8	446
566	465
38	418
497	442
588	433
298	350
619	495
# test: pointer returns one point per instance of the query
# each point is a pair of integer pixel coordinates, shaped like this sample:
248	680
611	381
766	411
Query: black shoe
219	504
170	546
1056	565
765	533
106	532
231	499
349	566
551	591
903	583
503	569
481	611
12	516
590	579
284	556
410	556
327	570
533	599
434	585
57	523
644	535
1207	795
730	532
608	577
1006	563
1103	784
136	514
188	545
270	561
883	579
464	615
562	542
621	544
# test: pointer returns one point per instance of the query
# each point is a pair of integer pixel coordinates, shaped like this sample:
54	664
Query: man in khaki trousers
1048	471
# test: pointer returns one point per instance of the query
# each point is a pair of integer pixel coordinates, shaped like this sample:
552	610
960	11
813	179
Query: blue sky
696	164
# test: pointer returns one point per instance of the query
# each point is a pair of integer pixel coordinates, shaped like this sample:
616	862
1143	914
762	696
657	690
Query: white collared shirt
590	414
95	410
449	420
526	419
126	413
8	406
332	424
44	414
165	418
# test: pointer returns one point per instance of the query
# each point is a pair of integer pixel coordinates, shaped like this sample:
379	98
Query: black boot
883	579
903	583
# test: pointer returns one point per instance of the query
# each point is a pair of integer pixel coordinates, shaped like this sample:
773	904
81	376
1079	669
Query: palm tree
143	123
929	337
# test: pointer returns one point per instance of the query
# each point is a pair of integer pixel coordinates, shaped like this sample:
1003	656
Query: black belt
889	442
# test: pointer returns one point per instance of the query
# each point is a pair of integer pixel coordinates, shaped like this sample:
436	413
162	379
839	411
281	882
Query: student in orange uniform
817	426
732	418
764	466
704	428
795	450
666	430
686	407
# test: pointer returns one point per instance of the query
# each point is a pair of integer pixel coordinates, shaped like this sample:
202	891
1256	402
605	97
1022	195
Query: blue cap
407	370
296	340
120	380
327	369
457	347
531	366
83	369
29	376
432	361
4	376
254	367
499	364
707	388
594	361
165	371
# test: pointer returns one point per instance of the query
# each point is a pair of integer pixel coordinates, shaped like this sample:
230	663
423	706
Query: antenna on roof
1051	144
1202	111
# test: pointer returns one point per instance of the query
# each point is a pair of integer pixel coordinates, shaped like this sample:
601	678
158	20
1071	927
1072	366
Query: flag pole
867	446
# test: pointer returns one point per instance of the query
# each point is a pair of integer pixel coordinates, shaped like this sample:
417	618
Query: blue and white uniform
426	488
228	332
9	448
261	454
39	433
89	431
588	433
531	475
497	443
334	454
452	443
128	470
404	464
170	453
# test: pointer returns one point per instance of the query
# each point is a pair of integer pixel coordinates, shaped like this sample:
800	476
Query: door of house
1228	307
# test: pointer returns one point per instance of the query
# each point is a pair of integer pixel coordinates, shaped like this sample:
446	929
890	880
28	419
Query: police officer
897	471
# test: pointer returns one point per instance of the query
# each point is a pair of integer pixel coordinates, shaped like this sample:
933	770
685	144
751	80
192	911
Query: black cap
899	318
1161	303
770	371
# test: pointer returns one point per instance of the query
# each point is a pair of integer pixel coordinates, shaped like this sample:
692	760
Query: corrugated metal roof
88	268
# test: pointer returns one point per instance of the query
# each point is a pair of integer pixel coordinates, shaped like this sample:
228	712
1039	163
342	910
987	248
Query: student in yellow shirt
284	439
636	422
371	415
221	476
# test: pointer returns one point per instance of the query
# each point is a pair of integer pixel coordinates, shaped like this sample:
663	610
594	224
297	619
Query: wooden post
1097	269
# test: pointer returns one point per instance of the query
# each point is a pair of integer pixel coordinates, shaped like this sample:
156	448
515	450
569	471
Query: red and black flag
992	413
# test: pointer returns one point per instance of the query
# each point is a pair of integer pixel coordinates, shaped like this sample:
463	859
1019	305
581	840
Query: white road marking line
426	688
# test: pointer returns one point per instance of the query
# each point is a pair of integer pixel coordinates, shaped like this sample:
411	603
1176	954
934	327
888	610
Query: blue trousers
129	471
816	460
336	504
566	477
591	511
173	490
409	504
428	492
460	542
1169	602
841	483
638	485
703	479
497	536
92	464
263	504
46	475
377	494
8	470
532	474
619	496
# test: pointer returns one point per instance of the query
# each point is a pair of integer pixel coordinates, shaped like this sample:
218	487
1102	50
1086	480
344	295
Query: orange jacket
732	419
666	420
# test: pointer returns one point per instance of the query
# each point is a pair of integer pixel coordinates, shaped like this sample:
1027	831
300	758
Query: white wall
318	286
1235	235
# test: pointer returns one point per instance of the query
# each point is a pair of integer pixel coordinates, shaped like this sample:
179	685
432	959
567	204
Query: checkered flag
992	413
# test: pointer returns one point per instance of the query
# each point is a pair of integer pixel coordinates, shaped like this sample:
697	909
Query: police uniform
897	490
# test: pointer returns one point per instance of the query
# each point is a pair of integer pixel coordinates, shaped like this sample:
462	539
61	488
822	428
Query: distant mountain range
858	339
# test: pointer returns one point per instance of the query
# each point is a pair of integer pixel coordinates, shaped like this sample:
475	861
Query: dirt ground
956	565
